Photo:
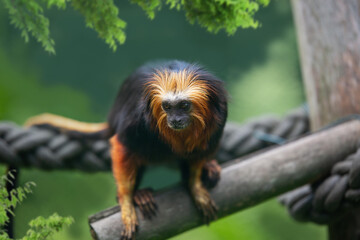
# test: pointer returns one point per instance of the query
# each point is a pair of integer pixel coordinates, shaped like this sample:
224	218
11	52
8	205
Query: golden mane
187	83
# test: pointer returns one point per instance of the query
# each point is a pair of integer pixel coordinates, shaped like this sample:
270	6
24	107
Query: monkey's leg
211	173
125	171
143	198
199	193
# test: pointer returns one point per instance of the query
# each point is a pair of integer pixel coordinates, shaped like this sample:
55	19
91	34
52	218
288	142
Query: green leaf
40	228
102	15
27	16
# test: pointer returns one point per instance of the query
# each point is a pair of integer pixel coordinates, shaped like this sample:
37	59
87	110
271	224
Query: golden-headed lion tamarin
169	112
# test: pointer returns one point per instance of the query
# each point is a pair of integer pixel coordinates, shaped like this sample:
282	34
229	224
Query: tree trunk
329	42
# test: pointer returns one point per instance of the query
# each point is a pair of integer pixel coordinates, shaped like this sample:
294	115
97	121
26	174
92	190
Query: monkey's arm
125	172
199	193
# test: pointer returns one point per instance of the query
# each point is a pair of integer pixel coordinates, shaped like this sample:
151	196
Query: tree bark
242	185
329	43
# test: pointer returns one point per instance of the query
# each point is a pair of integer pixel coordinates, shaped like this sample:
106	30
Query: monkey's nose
177	121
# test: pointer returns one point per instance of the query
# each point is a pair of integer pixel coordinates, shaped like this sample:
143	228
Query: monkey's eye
166	106
184	105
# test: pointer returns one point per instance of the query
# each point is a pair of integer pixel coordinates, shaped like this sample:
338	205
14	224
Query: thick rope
330	198
47	149
321	202
258	133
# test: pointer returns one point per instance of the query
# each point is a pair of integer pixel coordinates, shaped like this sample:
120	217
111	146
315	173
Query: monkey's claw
144	200
206	206
130	225
209	211
128	234
211	174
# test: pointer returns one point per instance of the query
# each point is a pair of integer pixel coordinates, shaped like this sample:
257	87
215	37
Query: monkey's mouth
177	127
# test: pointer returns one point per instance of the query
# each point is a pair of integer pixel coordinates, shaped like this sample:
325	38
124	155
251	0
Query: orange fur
196	168
65	123
124	169
188	84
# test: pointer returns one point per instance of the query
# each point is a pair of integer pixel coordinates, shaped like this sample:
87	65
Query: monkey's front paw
205	204
211	174
130	224
143	198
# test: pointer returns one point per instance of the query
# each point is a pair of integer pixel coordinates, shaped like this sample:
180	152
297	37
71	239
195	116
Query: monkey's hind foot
130	224
206	205
143	198
211	174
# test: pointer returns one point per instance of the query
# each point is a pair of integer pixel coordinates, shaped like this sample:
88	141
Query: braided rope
239	140
321	202
329	198
48	149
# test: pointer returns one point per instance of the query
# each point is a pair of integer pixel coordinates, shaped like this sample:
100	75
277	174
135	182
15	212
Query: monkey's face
177	112
178	100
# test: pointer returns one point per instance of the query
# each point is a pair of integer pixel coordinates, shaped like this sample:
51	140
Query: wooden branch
242	184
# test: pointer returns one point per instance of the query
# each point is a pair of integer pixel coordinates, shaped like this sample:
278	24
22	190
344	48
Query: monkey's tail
70	127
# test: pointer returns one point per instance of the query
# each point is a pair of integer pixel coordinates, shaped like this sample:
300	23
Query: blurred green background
260	67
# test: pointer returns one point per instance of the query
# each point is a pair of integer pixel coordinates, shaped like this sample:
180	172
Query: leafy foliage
227	14
40	227
27	15
214	15
43	228
102	16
